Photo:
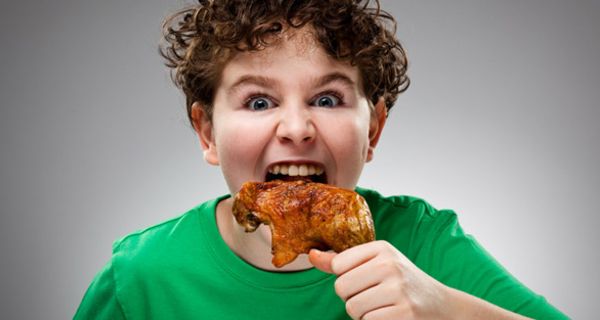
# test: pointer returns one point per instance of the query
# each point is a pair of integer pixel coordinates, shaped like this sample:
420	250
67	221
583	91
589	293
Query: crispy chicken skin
304	215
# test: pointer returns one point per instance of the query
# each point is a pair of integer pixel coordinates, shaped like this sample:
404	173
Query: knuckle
397	285
385	245
381	244
368	316
351	309
339	287
335	265
389	266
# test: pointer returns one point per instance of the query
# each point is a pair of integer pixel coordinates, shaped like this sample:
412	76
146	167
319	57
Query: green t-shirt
182	269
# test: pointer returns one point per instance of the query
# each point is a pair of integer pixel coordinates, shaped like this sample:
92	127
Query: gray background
500	124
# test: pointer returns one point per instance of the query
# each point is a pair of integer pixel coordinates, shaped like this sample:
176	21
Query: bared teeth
296	170
293	171
303	170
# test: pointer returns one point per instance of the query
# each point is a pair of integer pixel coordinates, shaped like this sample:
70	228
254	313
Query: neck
252	247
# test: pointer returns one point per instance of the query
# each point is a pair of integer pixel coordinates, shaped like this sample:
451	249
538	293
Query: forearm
466	306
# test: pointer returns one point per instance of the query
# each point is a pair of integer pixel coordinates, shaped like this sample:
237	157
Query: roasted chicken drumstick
304	215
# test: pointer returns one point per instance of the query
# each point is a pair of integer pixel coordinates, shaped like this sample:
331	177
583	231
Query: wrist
462	305
454	308
458	306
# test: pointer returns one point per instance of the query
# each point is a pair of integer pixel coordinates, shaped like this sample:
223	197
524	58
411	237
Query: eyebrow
270	82
334	77
251	79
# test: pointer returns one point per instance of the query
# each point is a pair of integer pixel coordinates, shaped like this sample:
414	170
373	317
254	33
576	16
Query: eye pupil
259	104
325	102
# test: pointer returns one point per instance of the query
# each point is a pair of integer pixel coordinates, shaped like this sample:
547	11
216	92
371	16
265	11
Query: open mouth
292	172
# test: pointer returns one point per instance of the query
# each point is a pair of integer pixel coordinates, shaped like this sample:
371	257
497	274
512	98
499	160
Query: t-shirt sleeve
457	260
100	300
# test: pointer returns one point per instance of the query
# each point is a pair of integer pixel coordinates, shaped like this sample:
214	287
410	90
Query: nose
296	125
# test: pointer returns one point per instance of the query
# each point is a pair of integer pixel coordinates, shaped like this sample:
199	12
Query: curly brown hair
200	40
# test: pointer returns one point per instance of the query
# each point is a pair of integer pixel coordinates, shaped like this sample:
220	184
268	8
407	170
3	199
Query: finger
355	256
367	301
388	312
321	260
358	279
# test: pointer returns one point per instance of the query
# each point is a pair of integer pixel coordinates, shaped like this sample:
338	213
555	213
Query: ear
204	129
378	117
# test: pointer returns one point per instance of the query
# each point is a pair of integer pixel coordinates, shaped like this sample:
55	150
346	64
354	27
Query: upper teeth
296	170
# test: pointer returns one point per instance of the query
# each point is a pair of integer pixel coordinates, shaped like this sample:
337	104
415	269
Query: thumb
321	260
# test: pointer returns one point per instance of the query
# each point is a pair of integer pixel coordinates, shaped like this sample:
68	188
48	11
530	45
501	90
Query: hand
376	281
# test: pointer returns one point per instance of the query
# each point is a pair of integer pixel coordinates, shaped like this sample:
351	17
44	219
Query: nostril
296	126
296	138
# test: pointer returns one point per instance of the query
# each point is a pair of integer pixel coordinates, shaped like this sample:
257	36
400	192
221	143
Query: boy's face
290	106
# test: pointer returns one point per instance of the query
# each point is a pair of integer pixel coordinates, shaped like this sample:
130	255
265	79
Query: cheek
239	143
358	137
233	142
236	152
348	139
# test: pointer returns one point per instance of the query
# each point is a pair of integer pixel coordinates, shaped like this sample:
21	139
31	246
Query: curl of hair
199	40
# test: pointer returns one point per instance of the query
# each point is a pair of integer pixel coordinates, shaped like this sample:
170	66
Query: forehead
292	56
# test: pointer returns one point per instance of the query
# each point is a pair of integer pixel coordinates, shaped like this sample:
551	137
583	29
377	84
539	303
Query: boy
304	87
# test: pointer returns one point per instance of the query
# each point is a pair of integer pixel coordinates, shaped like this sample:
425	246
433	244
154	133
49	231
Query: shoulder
152	237
408	222
144	262
163	245
411	207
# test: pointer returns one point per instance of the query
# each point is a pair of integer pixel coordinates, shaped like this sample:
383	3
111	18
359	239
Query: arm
376	281
466	306
100	300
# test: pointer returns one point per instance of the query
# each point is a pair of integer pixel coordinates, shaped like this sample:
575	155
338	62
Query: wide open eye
328	100
260	103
